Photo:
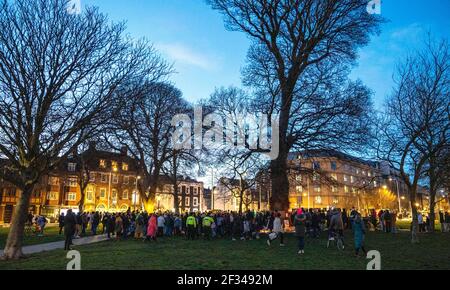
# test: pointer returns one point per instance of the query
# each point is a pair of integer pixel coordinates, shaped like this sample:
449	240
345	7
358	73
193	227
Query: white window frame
52	195
71	167
71	196
105	191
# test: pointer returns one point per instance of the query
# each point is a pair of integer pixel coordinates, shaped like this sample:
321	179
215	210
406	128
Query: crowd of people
227	225
230	225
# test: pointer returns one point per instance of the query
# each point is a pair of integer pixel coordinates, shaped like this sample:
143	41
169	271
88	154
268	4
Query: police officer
191	224
207	222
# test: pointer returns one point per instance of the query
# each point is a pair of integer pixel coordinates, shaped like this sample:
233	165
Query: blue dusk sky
205	55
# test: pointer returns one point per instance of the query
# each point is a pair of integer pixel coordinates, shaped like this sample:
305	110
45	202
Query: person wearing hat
300	227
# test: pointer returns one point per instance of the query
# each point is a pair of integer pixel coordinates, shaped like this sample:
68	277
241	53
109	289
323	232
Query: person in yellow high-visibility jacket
206	223
191	225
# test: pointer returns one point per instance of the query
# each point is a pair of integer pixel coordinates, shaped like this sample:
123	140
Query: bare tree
142	123
58	75
240	172
291	40
181	162
417	121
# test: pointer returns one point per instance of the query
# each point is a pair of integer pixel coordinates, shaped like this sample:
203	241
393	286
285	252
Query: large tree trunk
415	220
13	248
241	201
280	183
278	167
176	201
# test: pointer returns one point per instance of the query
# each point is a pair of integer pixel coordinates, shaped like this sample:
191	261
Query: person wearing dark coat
61	222
300	229
95	222
70	223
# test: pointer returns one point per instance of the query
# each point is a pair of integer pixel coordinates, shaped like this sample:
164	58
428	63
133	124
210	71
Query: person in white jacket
277	231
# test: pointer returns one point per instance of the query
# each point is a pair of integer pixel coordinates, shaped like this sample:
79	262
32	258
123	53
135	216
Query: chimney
124	151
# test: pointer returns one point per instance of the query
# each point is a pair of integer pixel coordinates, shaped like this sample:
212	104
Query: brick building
111	185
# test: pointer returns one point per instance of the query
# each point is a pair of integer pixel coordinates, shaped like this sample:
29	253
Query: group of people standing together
246	226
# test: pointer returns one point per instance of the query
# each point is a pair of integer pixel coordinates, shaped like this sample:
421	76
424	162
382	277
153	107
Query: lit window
115	178
299	189
52	195
73	182
71	196
89	195
334	188
125	194
102	163
316	177
114	165
316	165
124	166
352	179
334	176
346	189
335	200
114	193
53	181
298	177
72	167
316	188
345	178
333	165
375	183
318	199
103	193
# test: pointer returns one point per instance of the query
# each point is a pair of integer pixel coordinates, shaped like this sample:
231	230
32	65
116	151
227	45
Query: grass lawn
396	253
51	234
406	225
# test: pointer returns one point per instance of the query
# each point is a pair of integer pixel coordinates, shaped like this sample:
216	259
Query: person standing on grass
191	225
387	221
69	229
61	222
207	223
278	230
359	232
161	221
177	224
394	222
420	222
300	228
140	223
152	228
442	220
119	226
41	221
95	222
447	222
